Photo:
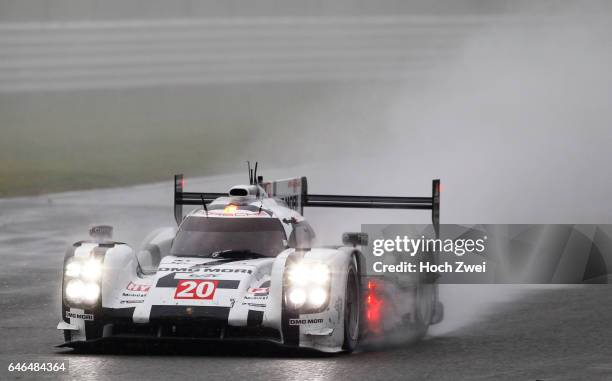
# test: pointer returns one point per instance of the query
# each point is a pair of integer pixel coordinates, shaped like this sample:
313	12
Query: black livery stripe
65	309
189	312
291	333
118	313
169	281
254	318
93	330
110	244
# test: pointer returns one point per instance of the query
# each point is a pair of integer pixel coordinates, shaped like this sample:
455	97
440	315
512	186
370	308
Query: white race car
241	267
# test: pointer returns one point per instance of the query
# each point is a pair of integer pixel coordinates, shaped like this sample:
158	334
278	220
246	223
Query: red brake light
373	307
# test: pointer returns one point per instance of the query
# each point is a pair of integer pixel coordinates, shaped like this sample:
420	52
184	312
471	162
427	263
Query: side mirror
355	239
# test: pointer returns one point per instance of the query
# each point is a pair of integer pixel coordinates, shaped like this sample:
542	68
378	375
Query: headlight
297	297
317	297
302	273
299	274
319	273
91	292
308	285
78	291
91	269
74	289
82	280
73	269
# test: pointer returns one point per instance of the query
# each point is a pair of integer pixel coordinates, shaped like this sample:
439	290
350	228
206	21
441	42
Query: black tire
424	299
352	310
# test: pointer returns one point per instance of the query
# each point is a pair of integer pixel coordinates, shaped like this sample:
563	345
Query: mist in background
519	124
506	103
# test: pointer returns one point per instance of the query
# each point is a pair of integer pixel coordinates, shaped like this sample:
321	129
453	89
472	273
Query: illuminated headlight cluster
82	280
308	285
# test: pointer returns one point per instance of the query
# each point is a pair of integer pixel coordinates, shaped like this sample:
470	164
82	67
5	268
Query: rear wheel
351	310
424	299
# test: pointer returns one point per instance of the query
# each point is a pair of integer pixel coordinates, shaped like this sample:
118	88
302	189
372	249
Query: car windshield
215	236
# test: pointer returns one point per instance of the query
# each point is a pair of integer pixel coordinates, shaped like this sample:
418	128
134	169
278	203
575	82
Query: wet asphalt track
560	333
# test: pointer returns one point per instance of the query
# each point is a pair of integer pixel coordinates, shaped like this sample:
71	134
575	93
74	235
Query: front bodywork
247	301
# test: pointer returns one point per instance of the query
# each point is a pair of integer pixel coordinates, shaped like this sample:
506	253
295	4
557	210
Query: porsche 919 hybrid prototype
241	267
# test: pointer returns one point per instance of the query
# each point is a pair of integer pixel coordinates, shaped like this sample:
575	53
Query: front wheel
351	310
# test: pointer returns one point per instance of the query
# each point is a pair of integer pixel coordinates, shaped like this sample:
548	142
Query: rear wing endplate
189	198
292	191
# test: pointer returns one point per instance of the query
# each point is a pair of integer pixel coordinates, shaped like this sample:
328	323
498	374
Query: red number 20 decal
195	289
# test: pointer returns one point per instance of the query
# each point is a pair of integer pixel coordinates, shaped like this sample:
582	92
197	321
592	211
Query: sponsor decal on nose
138	287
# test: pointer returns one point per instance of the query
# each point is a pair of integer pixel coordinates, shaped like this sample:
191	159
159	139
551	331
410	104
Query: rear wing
294	192
380	202
189	198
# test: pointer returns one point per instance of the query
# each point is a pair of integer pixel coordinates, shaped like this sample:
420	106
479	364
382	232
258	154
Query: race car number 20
195	289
